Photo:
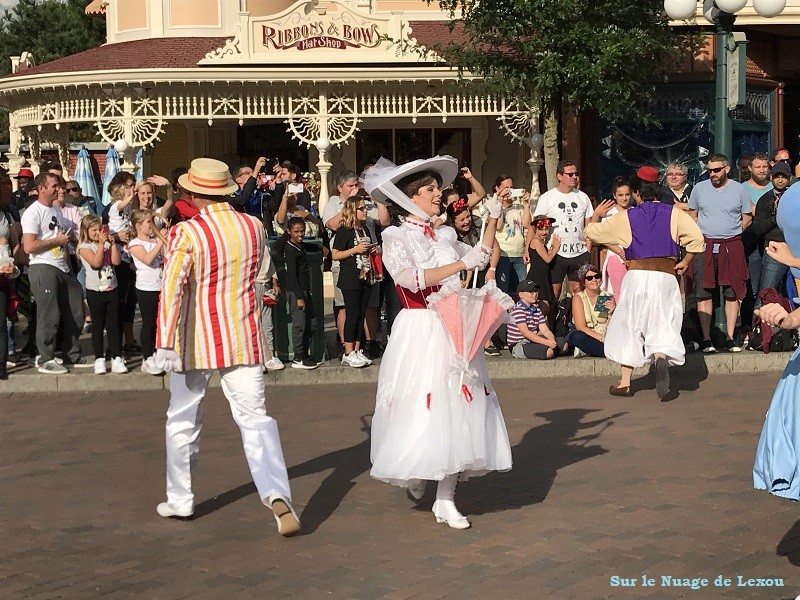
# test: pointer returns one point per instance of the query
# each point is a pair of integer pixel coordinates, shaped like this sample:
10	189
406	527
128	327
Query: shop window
270	140
404	145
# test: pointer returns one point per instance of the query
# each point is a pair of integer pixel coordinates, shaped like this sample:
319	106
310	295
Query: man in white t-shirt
572	210
58	295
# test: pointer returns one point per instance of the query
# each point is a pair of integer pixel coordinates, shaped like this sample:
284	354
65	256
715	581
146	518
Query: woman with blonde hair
147	250
355	249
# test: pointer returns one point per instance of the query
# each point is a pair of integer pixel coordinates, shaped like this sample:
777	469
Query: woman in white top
147	250
427	426
99	257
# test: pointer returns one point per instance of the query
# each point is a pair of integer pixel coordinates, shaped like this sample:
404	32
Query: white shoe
354	360
100	366
285	516
363	356
165	510
58	361
578	353
274	364
445	511
118	365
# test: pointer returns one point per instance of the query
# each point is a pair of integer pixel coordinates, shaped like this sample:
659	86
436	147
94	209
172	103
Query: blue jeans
510	271
772	274
587	343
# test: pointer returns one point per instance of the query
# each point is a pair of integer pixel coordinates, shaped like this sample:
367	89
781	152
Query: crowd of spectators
70	265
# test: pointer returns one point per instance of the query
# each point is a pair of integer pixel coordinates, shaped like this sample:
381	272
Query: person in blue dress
777	464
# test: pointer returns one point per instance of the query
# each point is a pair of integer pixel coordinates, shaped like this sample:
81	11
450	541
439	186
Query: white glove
495	208
477	258
167	359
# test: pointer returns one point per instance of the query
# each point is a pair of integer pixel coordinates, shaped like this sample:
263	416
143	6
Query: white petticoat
647	320
424	426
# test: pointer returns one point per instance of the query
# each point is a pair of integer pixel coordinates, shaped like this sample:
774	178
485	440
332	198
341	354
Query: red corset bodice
411	299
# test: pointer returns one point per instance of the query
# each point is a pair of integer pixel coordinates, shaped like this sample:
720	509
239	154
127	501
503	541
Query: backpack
782	340
563	317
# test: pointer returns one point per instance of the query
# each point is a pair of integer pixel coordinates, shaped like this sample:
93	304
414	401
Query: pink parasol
470	316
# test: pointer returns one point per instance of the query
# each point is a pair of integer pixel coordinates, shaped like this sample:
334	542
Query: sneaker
491	351
118	365
306	363
732	346
353	360
165	510
34	362
87	327
274	364
692	347
364	357
578	353
81	363
100	366
707	346
149	366
51	367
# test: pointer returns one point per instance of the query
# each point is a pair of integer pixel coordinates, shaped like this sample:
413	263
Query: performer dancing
777	464
647	322
427	427
209	319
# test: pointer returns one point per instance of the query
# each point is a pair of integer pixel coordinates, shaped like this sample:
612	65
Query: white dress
425	426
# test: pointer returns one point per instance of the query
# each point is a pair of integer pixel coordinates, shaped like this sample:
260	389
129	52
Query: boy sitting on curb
528	334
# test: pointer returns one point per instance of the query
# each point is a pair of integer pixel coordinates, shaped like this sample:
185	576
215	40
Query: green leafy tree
48	29
598	55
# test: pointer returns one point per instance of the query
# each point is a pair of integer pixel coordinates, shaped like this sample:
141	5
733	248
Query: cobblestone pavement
601	487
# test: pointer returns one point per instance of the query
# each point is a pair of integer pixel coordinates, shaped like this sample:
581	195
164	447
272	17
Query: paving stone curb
332	373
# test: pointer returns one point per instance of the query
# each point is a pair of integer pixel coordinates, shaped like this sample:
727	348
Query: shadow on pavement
789	546
563	440
686	378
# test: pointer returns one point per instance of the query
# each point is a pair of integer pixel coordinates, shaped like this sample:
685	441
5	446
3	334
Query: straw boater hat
209	177
381	179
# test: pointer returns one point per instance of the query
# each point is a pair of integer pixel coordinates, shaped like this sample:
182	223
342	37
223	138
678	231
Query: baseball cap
780	168
24	173
526	285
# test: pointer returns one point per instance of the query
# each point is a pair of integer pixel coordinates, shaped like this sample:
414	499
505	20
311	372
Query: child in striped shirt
528	335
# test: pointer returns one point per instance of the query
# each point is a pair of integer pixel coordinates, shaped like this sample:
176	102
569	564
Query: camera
516	193
269	165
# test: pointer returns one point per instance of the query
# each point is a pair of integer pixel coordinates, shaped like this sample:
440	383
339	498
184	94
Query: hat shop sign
342	30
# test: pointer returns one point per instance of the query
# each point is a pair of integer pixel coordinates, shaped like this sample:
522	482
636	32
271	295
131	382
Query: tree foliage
48	29
594	54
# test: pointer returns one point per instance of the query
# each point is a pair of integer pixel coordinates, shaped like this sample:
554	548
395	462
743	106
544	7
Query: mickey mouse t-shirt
570	212
45	222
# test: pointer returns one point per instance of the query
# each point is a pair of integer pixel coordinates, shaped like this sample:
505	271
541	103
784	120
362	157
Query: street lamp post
729	76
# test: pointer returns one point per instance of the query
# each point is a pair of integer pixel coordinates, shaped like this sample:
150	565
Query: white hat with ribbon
381	179
209	177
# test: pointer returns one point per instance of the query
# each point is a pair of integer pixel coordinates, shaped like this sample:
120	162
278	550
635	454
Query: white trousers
243	386
647	320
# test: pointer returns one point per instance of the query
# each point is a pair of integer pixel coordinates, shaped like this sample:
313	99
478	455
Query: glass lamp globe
730	6
680	10
769	8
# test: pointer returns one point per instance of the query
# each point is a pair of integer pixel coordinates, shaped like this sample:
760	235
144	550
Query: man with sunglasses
571	210
781	155
723	210
85	204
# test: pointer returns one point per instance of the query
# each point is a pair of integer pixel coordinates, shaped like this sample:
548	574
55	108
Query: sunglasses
716	169
542	224
72	189
788	161
593	277
575	174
